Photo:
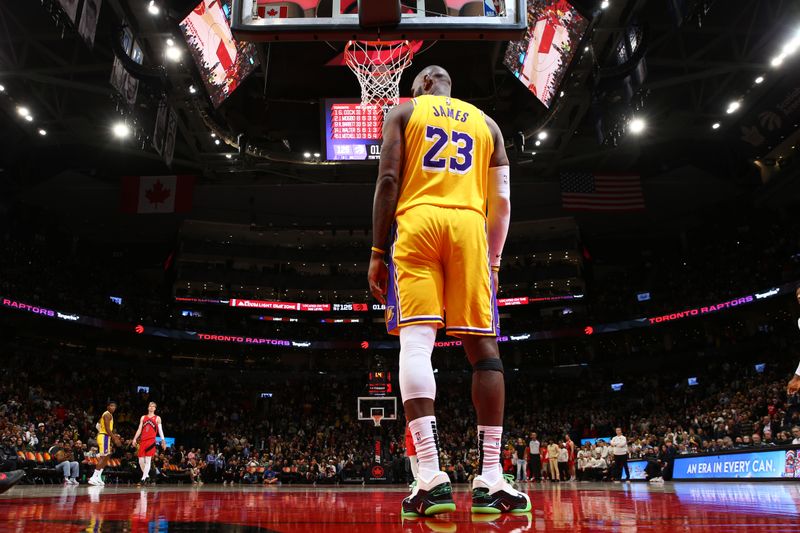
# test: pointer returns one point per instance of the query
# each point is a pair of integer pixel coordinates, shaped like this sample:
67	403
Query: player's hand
378	277
163	445
793	386
496	281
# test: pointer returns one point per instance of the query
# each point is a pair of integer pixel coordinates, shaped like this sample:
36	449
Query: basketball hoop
377	419
378	65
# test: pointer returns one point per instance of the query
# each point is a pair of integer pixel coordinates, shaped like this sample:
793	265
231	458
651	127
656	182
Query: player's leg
103	449
414	311
411	453
470	300
432	493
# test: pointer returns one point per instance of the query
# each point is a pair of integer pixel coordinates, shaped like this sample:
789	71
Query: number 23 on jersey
434	161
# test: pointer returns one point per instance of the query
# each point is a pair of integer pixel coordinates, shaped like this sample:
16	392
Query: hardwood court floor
637	507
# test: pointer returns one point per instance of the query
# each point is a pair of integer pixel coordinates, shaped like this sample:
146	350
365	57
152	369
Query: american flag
582	191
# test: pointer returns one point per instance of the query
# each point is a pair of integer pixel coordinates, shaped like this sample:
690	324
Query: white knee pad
416	372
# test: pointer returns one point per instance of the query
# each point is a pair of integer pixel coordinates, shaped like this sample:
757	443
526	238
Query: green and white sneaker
429	498
498	498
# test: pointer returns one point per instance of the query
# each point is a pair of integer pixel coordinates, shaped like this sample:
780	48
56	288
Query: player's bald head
432	79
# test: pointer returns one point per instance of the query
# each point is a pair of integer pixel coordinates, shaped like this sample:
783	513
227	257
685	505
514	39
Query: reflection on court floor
566	507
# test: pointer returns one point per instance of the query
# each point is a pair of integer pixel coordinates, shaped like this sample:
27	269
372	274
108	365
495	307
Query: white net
378	65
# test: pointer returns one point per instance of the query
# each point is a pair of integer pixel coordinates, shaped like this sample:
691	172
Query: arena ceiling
694	67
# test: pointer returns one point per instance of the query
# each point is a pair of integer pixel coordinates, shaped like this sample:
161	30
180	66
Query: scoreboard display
353	132
380	383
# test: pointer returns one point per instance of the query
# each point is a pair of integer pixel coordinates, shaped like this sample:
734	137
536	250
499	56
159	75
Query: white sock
414	466
146	469
426	441
489	443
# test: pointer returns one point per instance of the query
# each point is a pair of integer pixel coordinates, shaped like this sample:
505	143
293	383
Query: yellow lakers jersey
448	147
107	430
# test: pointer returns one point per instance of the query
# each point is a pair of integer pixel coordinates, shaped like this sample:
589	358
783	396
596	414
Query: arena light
173	53
715	126
637	126
538	143
217	142
29	118
228	156
542	135
307	154
170	42
733	107
777	61
152	8
2	88
605	4
192	89
42	132
759	80
791	47
23	111
121	130
317	154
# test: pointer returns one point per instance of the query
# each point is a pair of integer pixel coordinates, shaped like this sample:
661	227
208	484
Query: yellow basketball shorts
439	268
103	444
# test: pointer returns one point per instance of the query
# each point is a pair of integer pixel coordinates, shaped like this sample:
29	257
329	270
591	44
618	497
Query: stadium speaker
378	13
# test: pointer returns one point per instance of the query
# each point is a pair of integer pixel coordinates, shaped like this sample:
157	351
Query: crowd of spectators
308	433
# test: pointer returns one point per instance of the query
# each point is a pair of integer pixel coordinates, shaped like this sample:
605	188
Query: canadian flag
157	194
273	12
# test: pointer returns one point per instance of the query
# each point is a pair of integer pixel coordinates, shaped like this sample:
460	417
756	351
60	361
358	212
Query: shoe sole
495	510
439	508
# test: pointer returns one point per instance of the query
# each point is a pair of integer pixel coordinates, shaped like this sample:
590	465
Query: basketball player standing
105	434
149	426
444	184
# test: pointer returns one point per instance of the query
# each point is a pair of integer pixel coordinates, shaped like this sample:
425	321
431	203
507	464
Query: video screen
616	387
223	62
643	296
266	395
540	60
353	132
760	367
692	382
143	389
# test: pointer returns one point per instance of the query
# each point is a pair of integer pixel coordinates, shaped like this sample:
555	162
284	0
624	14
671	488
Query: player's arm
498	214
161	433
139	430
387	191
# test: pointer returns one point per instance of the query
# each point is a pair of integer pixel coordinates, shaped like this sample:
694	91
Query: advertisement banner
762	464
